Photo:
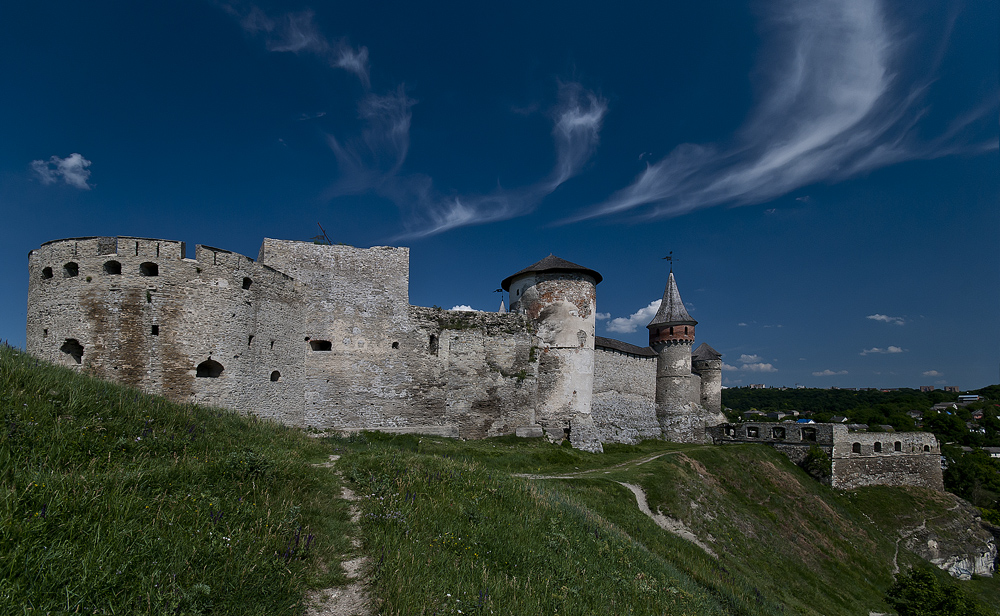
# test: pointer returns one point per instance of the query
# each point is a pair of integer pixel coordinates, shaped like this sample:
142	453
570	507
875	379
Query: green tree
917	592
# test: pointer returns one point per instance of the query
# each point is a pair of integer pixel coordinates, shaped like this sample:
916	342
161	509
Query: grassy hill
119	502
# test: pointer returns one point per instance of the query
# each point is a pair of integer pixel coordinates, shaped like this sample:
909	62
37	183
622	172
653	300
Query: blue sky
825	173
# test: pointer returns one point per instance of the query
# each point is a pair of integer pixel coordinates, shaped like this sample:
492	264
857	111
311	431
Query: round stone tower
671	334
707	362
560	298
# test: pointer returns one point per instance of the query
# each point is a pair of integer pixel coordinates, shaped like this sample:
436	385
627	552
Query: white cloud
72	170
886	319
839	96
888	350
741	324
749	359
464	308
602	316
639	318
829	372
298	33
726	367
933	373
759	367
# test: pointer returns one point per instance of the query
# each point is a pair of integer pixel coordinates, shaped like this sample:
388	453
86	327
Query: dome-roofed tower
678	392
560	298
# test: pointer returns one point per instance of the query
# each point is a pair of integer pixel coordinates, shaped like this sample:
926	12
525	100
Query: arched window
73	348
927	447
209	369
71	270
320	345
113	268
275	376
149	269
897	446
878	447
246	283
46	272
856	448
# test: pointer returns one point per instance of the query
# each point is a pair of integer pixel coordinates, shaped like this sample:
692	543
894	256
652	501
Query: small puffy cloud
829	372
933	373
886	351
727	368
750	359
759	367
886	319
464	308
641	317
741	324
602	316
72	170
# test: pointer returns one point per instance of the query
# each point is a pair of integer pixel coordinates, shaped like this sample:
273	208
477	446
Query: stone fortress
324	336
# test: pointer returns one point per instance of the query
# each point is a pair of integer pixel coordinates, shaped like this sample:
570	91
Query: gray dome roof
555	265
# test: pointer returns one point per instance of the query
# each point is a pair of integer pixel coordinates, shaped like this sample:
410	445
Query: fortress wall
355	322
147	316
623	405
792	439
905	459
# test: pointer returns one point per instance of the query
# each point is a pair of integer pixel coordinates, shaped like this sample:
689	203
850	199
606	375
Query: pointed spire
705	353
672	310
503	307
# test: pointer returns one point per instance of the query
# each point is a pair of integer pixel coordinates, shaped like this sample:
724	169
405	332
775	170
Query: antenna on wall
322	239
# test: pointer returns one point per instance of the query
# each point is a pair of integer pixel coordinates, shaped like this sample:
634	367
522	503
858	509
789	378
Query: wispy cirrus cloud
73	170
889	350
372	161
298	33
833	104
886	319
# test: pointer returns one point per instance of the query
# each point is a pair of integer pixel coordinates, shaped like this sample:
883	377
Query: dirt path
668	524
352	599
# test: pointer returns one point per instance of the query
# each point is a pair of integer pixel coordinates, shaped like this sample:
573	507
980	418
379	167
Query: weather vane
670	257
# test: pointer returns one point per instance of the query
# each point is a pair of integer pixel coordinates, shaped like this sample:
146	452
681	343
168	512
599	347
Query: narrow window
878	447
778	433
897	446
149	269
395	345
74	349
209	369
753	432
808	434
685	330
157	250
246	283
433	346
71	270
137	249
321	345
275	376
45	333
156	330
856	448
272	345
671	330
249	340
46	272
113	268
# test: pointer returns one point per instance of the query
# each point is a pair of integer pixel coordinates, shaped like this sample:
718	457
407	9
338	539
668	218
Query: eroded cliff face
960	543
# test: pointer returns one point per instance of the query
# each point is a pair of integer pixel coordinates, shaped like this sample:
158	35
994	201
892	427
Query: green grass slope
449	528
115	502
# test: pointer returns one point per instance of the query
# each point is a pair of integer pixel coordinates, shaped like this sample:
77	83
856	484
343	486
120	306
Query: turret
560	299
671	333
707	362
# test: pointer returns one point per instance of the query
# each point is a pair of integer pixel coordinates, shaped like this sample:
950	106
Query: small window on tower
71	270
275	376
878	447
46	272
320	345
149	269
246	283
113	268
156	330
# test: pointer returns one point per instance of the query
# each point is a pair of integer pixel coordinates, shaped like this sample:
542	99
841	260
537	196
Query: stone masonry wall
624	387
888	459
136	311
